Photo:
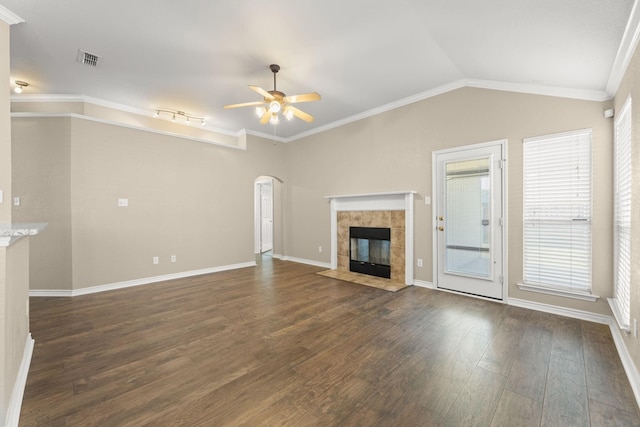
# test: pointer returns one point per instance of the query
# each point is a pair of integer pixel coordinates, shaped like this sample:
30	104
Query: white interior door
469	222
266	217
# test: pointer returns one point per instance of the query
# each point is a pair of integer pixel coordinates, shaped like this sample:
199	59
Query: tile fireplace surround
390	210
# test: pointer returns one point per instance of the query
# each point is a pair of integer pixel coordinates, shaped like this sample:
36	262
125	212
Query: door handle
441	228
440	218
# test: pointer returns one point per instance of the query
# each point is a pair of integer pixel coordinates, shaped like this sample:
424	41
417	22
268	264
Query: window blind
557	211
622	217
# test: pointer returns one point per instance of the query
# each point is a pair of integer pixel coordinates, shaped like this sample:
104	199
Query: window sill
581	295
618	316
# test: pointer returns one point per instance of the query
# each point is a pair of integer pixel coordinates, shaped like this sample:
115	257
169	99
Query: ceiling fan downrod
274	69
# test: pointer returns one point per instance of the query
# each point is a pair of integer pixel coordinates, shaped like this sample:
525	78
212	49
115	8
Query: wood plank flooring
280	345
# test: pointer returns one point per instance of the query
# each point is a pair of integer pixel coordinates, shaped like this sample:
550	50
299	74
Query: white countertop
9	233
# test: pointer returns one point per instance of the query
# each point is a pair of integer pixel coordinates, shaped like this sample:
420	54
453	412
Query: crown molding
124	125
263	135
9	17
581	94
382	109
561	92
626	50
107	104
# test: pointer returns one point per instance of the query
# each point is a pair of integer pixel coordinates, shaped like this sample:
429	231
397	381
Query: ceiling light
274	120
177	113
260	112
288	113
274	107
20	85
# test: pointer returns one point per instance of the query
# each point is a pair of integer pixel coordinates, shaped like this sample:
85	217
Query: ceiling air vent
87	58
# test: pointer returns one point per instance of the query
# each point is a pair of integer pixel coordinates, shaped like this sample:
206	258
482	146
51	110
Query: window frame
622	171
539	211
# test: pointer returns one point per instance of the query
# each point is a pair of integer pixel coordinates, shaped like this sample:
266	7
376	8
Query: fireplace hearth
370	251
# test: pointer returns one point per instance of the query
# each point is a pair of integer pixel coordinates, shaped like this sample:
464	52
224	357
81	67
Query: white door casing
469	219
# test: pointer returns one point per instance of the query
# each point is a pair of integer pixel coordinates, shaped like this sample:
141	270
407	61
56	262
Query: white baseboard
15	404
136	282
626	359
561	311
423	284
278	256
307	261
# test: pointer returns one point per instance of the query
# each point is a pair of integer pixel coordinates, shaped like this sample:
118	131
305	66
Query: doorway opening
469	239
267	214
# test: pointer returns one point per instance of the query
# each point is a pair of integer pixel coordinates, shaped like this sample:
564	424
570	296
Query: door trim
503	144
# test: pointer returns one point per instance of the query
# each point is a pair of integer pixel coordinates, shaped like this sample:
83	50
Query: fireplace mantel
398	200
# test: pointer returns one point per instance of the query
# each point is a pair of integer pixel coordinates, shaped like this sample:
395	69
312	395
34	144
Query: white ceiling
360	55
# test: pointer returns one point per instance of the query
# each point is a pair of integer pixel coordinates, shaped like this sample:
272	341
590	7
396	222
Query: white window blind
557	211
622	217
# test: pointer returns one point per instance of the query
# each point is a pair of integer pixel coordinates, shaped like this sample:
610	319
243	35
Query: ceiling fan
275	102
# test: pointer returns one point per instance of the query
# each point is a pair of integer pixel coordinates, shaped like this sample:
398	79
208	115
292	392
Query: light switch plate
427	200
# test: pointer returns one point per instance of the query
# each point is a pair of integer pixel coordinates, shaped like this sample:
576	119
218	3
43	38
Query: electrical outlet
16	201
319	248
123	202
156	260
419	262
173	258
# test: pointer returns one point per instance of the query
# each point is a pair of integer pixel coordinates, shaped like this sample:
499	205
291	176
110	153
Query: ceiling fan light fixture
274	102
288	113
274	107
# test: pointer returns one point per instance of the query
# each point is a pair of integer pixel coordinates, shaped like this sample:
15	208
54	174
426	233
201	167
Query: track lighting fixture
20	85
176	113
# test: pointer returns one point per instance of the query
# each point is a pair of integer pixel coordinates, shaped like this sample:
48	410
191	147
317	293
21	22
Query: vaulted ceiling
360	55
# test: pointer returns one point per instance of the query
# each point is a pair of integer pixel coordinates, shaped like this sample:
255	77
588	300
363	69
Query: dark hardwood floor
281	345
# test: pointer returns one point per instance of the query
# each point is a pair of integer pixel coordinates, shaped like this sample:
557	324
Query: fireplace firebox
370	251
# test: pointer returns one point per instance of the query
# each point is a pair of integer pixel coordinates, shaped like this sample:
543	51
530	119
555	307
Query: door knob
441	228
440	218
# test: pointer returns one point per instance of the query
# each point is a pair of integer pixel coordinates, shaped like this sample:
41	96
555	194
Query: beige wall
42	181
630	86
186	198
393	151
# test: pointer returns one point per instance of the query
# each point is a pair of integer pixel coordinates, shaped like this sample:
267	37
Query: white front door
266	217
469	220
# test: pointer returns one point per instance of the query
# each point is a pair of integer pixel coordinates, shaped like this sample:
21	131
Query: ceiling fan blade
262	92
305	97
300	114
265	118
245	104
